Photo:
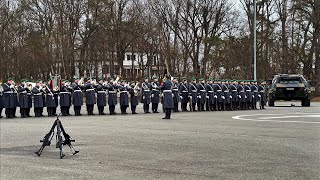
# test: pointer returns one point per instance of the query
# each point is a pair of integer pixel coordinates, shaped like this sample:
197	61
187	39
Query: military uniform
254	93
202	96
77	98
37	101
50	102
145	95
112	98
101	98
210	97
234	95
91	99
176	97
155	96
1	103
23	99
248	96
124	98
133	98
167	98
10	99
242	97
193	92
184	94
65	100
225	97
218	96
262	97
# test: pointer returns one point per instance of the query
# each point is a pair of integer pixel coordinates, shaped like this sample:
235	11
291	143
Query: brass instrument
81	82
116	81
136	89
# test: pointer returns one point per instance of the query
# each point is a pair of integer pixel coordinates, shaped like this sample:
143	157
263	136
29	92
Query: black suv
289	87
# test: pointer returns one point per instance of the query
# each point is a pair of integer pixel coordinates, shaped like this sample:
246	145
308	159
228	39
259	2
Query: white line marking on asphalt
252	117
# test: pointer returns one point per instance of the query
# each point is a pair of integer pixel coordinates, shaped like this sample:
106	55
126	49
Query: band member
10	98
155	95
184	94
193	91
134	96
77	96
50	101
176	95
217	95
91	100
202	94
65	98
248	95
124	97
145	92
101	96
210	96
112	96
37	92
261	92
23	98
167	97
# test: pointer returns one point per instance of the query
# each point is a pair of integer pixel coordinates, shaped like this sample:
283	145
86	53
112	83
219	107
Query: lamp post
255	40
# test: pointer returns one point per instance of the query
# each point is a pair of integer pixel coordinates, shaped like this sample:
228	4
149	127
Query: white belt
8	92
64	92
219	90
175	89
261	91
155	90
101	92
146	90
90	90
226	91
113	92
77	91
124	92
210	91
49	94
203	90
39	94
184	91
234	90
28	93
248	90
167	91
255	91
194	90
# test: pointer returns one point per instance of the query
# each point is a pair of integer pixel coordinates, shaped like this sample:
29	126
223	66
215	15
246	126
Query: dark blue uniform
242	97
167	98
37	101
234	95
248	96
146	95
1	103
24	93
77	98
225	97
184	93
124	99
155	96
101	98
176	97
65	100
254	93
262	97
112	98
218	96
50	102
133	99
202	96
193	92
10	100
210	97
91	99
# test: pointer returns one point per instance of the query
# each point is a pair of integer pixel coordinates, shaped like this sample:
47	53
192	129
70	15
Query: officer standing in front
146	94
167	97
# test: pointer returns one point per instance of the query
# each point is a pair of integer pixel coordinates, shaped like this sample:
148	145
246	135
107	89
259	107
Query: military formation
197	95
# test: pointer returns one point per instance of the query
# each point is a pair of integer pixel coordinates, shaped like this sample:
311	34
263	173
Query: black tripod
60	142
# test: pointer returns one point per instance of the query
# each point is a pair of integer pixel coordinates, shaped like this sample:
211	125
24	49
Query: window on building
128	57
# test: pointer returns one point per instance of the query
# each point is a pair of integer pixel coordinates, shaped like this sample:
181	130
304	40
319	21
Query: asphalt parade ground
281	142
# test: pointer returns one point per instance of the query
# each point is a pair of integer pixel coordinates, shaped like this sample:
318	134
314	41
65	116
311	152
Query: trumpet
116	81
81	81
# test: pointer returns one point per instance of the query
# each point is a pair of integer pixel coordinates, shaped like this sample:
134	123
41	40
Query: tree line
200	38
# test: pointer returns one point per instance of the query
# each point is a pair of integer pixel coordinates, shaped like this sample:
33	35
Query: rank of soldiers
201	95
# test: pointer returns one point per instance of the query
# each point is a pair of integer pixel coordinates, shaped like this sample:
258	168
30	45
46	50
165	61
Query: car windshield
289	80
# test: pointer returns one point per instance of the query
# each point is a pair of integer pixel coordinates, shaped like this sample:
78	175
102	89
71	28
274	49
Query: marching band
210	95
